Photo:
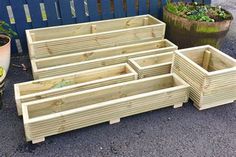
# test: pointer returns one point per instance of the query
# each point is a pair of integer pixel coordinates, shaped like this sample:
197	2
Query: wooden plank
35	13
83	29
74	82
80	11
20	19
206	59
59	65
65	10
155	7
131	7
106	9
163	3
142	5
119	8
152	65
209	80
49	42
93	10
112	103
132	49
50	8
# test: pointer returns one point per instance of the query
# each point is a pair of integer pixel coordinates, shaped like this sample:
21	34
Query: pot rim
201	22
9	40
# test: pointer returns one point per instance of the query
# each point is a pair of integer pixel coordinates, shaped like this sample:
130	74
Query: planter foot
114	121
178	105
38	140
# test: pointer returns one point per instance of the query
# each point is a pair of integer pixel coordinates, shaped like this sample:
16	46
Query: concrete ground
170	132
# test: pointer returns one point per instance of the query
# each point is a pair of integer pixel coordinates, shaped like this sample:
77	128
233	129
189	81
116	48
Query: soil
3	41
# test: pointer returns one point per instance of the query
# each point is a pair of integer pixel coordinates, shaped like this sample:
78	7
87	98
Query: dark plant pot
189	33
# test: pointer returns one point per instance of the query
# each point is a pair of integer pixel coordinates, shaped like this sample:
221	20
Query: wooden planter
152	65
71	83
211	74
50	116
53	41
80	61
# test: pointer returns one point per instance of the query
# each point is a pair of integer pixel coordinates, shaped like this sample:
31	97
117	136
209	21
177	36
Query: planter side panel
103	113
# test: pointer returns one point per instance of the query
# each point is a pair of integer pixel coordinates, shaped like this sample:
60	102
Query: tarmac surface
168	132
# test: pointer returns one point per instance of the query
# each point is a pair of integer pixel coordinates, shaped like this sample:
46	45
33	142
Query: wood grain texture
74	82
212	86
104	104
152	65
79	61
78	37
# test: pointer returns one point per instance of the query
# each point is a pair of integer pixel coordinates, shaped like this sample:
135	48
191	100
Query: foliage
5	29
198	12
1	71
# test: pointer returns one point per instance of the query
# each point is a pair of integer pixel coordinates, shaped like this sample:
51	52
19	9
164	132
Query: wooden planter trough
71	83
211	74
152	65
53	41
51	116
64	64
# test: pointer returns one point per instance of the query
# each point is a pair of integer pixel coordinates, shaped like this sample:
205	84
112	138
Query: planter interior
154	60
89	97
88	28
215	60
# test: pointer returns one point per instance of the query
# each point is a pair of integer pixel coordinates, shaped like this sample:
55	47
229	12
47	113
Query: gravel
167	132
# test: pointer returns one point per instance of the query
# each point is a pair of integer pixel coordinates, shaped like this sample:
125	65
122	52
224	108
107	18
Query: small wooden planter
61	85
64	64
211	74
51	116
53	41
152	65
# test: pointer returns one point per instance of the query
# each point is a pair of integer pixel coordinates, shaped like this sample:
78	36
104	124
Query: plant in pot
193	24
5	44
5	52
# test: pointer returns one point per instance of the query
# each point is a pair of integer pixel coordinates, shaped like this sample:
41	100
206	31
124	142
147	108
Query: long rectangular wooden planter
211	74
51	116
152	65
80	61
53	41
70	83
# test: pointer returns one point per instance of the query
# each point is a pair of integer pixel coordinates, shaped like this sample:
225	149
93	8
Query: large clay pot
5	53
188	33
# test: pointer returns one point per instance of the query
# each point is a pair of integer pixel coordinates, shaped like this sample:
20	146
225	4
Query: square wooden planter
71	83
211	74
53	41
152	65
64	64
55	115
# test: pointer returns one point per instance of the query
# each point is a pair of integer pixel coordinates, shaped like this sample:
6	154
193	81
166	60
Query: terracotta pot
188	33
5	54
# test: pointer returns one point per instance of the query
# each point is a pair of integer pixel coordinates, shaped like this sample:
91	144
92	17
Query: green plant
5	29
198	12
